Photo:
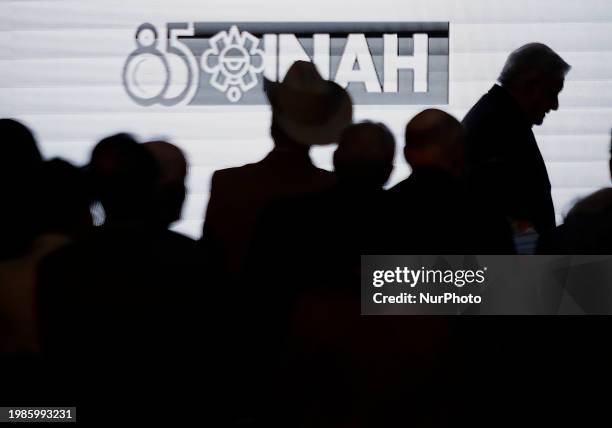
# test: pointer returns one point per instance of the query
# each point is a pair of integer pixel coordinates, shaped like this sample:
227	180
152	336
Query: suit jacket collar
288	158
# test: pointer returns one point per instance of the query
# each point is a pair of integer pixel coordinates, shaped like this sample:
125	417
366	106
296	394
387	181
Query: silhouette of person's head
282	140
596	203
65	198
435	139
170	193
610	161
19	150
534	75
364	157
307	109
124	177
20	162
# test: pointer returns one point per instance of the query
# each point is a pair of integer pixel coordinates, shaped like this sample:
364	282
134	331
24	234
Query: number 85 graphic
169	78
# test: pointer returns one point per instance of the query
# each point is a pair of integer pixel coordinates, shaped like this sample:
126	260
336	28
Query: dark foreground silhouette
258	324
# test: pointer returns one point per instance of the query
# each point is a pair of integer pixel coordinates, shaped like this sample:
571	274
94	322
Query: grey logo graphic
205	63
148	72
234	56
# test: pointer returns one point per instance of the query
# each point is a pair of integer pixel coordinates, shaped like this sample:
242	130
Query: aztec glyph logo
214	63
231	61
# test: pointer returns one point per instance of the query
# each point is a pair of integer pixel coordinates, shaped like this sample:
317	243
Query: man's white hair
530	61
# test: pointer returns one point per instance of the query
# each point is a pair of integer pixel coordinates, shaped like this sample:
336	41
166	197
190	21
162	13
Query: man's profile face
544	97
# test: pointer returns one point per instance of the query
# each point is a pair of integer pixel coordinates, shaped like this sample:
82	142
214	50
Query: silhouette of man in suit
306	110
116	307
20	163
504	162
310	244
432	211
322	234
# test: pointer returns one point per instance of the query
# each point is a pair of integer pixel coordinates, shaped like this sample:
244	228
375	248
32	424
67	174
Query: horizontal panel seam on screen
563	110
120	85
454	109
453	53
12	57
394	116
348	21
555	189
40	26
203	165
231	140
538	134
64	109
210	167
459	33
220	137
462	82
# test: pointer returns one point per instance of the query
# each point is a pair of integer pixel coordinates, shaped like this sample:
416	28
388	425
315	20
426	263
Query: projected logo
225	63
233	68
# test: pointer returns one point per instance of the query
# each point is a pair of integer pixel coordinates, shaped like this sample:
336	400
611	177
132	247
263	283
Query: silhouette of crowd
263	312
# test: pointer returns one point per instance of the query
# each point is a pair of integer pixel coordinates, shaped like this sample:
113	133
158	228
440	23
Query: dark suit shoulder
269	169
399	189
180	239
225	176
496	112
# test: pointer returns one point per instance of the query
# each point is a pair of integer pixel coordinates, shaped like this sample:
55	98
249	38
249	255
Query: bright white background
61	63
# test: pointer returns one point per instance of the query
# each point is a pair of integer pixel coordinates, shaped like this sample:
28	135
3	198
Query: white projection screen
64	72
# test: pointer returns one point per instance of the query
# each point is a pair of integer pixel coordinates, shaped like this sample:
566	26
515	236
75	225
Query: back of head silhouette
20	162
364	156
435	139
534	75
18	147
124	176
282	140
610	160
66	198
170	192
598	203
587	228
